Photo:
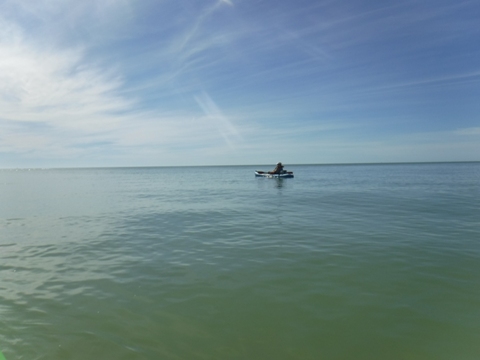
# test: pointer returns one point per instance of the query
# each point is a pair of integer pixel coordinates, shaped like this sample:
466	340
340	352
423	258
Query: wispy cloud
220	122
55	87
59	104
440	80
473	131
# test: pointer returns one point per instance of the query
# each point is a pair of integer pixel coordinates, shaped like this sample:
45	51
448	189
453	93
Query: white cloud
56	87
68	97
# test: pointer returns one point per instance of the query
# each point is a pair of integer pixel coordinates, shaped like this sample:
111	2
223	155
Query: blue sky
230	82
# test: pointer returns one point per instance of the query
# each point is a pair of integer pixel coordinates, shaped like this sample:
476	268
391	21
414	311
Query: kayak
284	174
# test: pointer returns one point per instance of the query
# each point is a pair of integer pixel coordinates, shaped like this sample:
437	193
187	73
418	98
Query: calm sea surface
341	262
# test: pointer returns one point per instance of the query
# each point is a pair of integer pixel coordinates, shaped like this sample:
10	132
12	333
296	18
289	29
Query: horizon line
243	165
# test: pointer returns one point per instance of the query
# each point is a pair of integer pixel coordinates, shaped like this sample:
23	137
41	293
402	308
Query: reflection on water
279	182
273	182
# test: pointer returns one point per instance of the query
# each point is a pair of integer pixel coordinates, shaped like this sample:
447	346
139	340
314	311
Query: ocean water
341	262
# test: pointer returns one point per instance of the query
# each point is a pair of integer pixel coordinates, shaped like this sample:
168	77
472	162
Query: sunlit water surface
341	262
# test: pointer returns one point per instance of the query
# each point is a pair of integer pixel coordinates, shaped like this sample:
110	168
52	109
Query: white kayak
283	174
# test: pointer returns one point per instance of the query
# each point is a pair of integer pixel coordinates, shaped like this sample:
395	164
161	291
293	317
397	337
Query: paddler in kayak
278	169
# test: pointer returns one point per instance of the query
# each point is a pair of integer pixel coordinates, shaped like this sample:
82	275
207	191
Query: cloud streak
215	117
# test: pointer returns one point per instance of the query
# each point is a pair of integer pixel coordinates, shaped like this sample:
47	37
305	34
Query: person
278	169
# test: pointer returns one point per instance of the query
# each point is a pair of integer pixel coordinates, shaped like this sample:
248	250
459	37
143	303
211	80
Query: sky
237	82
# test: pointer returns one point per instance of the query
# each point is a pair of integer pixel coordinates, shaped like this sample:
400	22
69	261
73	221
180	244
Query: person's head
279	163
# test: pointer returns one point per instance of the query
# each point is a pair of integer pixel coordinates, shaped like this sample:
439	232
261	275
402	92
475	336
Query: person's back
278	169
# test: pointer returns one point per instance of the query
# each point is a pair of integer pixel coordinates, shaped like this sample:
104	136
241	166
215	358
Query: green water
341	262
